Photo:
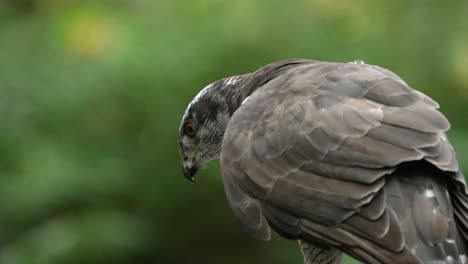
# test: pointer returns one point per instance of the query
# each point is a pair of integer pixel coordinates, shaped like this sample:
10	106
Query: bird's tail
459	197
433	209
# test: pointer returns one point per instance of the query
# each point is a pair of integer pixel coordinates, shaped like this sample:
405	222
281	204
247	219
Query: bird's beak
189	172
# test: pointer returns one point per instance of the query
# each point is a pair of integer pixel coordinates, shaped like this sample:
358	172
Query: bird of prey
343	157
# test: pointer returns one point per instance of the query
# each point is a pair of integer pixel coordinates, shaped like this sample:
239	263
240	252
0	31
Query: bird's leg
314	254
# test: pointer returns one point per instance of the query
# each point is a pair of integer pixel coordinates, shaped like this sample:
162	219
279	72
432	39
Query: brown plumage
345	157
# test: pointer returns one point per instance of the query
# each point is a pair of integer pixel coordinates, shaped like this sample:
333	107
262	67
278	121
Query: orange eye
189	129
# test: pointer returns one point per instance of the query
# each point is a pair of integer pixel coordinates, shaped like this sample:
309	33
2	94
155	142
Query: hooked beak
189	172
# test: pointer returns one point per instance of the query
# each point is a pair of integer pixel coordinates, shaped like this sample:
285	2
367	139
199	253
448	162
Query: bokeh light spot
460	64
93	35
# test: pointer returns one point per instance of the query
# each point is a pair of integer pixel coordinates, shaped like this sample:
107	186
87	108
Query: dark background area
92	94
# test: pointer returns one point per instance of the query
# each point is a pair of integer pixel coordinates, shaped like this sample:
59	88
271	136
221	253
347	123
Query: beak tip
189	173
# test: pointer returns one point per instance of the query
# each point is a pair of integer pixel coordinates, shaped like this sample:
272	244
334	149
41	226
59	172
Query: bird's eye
189	129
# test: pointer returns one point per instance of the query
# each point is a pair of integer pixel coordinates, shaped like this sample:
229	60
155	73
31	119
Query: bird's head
202	129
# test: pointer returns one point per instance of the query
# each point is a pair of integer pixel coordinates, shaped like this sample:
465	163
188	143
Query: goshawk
342	157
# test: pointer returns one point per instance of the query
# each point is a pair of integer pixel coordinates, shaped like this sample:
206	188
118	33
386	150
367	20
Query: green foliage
92	93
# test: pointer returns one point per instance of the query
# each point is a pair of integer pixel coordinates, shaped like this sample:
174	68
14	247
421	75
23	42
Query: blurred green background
92	93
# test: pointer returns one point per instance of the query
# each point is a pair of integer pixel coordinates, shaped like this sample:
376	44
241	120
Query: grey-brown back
348	157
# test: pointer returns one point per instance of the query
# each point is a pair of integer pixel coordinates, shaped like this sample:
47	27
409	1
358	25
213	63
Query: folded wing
309	153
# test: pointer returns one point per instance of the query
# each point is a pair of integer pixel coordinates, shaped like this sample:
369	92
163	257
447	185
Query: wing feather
311	150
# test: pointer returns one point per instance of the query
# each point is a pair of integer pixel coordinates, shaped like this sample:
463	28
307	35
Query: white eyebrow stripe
228	81
197	98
